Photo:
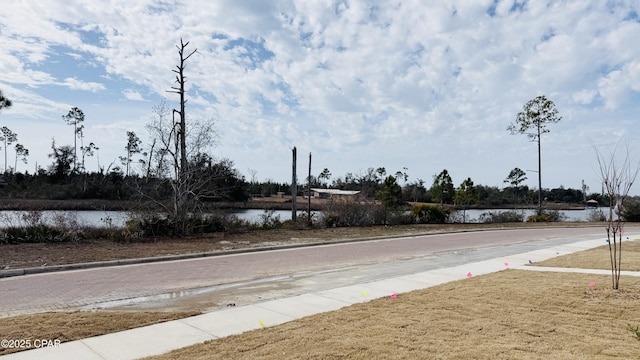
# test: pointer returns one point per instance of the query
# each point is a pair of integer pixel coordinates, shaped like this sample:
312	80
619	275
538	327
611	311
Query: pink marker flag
506	263
469	274
592	284
393	296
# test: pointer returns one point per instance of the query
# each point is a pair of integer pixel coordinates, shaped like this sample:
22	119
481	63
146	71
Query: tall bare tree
179	156
617	179
21	153
181	81
132	147
532	121
8	137
75	117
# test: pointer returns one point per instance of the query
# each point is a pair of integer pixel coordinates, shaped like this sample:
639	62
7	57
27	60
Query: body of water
474	215
118	218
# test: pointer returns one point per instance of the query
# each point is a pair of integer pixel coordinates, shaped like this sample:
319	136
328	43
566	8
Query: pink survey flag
506	263
469	274
393	296
592	284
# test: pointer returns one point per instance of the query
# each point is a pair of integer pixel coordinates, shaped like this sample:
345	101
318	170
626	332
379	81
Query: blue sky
359	84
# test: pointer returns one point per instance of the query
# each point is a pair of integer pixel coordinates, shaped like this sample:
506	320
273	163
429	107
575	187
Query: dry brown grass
69	326
512	314
598	258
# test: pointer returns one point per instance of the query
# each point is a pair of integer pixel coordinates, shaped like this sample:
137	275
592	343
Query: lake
118	218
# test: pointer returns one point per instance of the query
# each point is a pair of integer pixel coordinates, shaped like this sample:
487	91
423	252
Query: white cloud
584	97
75	84
130	94
375	80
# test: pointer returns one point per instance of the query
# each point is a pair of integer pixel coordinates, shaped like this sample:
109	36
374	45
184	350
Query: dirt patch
624	294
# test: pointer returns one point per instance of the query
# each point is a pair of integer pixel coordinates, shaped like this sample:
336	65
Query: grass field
513	314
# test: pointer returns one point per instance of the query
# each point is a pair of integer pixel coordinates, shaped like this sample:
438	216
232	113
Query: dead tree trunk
181	182
309	193
294	189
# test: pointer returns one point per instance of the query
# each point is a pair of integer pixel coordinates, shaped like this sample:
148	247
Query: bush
430	214
547	216
33	234
303	221
538	218
354	214
631	211
268	220
155	225
32	227
400	217
595	215
501	217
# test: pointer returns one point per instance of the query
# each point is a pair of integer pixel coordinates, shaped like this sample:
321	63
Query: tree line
149	170
175	174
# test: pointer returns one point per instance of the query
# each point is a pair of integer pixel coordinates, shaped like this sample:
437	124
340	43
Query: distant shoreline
274	203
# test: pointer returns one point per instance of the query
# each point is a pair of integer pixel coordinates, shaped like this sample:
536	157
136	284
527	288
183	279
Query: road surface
208	283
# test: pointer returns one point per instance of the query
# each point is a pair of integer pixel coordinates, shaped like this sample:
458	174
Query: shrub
547	216
430	214
400	217
595	215
538	218
303	221
268	220
501	217
354	214
33	234
155	225
631	211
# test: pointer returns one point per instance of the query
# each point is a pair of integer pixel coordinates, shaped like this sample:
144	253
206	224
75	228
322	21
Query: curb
98	264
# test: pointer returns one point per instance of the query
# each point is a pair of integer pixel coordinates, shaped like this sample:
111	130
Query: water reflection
118	218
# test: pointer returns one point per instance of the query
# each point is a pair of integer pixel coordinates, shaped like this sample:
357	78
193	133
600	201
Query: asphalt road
208	283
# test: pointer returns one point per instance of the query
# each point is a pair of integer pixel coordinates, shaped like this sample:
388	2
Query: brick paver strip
73	289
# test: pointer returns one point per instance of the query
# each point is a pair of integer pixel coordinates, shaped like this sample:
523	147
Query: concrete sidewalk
160	338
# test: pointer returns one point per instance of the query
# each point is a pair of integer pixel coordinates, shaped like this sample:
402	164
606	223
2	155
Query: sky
410	86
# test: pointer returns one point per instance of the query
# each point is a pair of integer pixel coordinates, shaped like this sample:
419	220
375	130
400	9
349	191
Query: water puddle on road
206	298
